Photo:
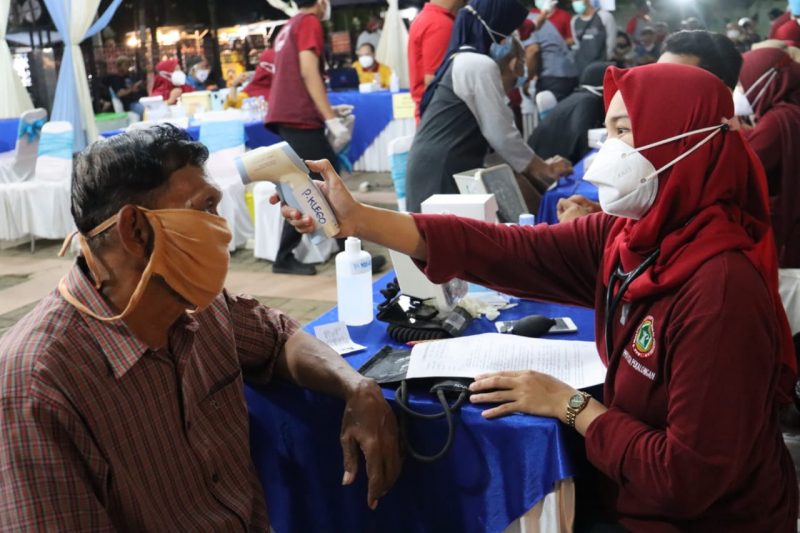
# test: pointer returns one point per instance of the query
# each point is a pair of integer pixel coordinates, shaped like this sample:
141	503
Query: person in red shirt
560	16
299	110
428	38
681	271
170	81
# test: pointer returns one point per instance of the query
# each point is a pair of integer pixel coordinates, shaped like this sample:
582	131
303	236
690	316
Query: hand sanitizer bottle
354	284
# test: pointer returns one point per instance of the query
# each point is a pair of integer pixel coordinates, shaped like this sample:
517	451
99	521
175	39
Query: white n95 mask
626	180
741	105
178	78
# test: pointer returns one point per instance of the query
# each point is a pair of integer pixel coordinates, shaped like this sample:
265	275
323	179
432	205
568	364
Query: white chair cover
223	135
20	164
40	208
398	161
269	225
789	287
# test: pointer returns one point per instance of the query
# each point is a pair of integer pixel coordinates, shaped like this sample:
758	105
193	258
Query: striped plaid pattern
97	432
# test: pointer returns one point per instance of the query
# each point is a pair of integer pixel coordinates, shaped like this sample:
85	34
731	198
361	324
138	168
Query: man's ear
135	233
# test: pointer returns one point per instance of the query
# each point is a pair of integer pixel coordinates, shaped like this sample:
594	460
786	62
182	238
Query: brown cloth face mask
190	251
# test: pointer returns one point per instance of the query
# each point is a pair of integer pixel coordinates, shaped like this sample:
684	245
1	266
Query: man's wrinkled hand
370	425
575	206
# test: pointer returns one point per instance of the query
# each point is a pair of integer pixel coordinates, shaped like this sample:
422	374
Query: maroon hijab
711	202
776	139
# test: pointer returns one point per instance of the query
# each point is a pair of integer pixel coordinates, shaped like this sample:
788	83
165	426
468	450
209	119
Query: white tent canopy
15	98
394	43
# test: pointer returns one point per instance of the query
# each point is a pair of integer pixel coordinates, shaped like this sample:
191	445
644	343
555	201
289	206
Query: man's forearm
312	79
310	363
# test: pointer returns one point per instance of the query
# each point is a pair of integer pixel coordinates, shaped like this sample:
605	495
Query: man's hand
549	170
575	206
345	207
337	133
369	424
343	110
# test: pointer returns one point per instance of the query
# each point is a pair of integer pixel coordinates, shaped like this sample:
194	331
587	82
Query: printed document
574	362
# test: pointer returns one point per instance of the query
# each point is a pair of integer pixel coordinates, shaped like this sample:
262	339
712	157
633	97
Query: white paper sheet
337	337
574	362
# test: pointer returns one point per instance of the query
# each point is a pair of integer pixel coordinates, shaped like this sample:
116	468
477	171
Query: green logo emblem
645	340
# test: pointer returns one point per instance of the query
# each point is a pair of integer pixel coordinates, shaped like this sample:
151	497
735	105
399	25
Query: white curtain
15	98
392	48
73	103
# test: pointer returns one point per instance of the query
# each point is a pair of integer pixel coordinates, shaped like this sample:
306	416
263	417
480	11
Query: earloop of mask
87	253
717	129
595	90
492	33
769	75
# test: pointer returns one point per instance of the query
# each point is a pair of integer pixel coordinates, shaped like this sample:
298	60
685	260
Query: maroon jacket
691	440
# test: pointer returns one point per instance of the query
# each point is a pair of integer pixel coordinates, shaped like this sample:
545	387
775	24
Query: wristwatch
576	404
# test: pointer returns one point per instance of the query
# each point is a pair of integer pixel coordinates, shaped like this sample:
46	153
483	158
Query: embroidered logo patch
644	342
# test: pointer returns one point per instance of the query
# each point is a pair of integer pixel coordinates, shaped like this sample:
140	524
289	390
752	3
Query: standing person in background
792	13
771	81
371	34
549	60
299	110
559	13
662	32
595	32
369	69
640	20
428	38
464	112
170	81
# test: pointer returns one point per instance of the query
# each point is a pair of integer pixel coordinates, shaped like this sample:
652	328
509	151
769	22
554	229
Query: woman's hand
526	391
575	206
345	207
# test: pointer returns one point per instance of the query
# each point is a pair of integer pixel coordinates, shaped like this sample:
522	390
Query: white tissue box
477	206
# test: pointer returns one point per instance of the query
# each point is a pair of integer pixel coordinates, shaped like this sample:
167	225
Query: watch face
576	401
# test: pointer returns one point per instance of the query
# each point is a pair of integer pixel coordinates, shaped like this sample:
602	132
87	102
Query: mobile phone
563	325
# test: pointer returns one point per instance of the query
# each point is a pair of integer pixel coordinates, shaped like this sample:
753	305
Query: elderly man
121	393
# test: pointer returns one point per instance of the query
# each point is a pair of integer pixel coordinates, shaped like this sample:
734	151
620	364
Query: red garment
562	20
789	32
100	433
777	23
290	103
776	138
691	439
262	79
428	39
709	203
162	82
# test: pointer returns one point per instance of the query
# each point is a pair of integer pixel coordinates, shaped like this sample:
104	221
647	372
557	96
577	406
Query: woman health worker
696	342
464	112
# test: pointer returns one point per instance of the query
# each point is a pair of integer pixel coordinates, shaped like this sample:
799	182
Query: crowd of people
120	410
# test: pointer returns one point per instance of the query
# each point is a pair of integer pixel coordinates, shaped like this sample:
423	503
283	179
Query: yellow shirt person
369	69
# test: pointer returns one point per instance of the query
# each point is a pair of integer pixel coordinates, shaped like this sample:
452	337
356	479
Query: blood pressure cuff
389	366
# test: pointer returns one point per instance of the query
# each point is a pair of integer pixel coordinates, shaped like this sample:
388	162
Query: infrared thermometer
281	165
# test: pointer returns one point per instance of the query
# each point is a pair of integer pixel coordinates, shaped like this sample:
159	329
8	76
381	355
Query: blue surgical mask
500	50
579	7
544	5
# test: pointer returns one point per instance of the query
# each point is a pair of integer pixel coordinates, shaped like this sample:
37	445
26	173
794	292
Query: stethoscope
612	301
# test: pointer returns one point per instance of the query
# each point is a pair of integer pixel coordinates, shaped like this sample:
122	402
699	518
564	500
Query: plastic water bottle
394	83
354	284
527	219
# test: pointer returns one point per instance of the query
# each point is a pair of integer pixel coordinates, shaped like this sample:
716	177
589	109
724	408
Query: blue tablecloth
494	473
8	134
373	113
566	187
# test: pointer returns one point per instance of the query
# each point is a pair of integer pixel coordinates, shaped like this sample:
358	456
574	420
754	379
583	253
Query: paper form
574	362
337	337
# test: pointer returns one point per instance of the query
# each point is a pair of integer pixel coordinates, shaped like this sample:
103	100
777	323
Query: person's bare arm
309	70
532	55
428	79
